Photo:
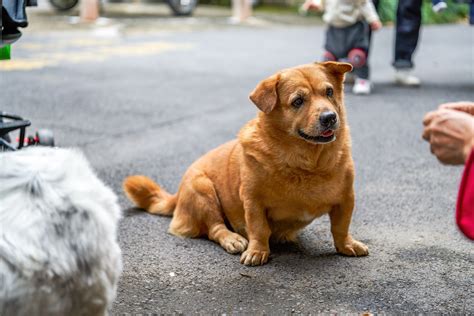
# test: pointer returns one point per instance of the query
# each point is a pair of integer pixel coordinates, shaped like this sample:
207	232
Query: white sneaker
362	86
405	77
439	7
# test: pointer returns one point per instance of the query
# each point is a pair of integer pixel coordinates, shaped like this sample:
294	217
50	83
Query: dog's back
58	248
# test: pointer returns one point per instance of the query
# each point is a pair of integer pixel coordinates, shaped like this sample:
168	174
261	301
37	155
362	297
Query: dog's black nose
328	119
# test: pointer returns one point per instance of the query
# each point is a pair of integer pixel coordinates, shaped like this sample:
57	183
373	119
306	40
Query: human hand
450	134
315	5
376	25
463	106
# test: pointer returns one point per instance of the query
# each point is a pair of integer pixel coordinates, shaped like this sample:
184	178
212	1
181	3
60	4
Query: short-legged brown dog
288	166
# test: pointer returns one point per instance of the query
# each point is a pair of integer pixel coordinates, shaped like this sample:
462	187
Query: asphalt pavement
152	102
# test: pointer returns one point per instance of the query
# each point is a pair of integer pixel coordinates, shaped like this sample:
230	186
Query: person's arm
370	14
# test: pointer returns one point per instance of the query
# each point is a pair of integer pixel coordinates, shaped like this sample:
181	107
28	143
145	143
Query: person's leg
362	72
406	40
357	43
471	13
357	37
334	44
357	57
407	32
362	84
241	10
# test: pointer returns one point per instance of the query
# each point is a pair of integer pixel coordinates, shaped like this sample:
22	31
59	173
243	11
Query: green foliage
454	12
5	52
387	10
224	3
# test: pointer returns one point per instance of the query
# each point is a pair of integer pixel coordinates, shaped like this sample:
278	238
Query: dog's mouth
325	137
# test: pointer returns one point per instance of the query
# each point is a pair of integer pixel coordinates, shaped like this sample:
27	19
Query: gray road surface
152	103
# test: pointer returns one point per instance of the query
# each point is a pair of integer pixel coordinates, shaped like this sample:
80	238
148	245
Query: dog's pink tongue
327	133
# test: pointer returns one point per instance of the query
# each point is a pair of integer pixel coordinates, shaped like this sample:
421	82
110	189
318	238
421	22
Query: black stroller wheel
5	136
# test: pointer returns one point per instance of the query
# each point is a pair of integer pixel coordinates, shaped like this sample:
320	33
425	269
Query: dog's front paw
234	243
252	257
353	248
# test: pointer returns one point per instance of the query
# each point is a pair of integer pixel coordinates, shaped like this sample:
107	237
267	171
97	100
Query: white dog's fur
58	229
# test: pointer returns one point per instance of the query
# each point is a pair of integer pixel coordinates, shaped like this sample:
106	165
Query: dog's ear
337	69
265	95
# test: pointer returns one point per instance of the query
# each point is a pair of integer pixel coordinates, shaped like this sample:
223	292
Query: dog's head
305	101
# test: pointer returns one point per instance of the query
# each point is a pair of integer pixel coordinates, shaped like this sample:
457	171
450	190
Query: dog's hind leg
199	213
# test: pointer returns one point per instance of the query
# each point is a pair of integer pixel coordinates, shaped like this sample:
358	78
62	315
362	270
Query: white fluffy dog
58	229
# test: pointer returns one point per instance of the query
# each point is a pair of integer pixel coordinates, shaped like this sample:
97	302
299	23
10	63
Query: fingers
450	132
436	150
446	155
463	106
434	118
426	134
427	122
449	138
429	117
377	25
438	135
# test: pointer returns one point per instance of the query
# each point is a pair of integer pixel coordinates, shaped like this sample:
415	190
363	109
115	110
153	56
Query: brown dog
288	166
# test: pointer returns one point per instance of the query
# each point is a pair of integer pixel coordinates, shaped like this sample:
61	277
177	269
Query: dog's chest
286	213
307	216
303	202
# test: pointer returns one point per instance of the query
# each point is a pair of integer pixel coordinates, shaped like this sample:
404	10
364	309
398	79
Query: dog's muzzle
327	125
323	138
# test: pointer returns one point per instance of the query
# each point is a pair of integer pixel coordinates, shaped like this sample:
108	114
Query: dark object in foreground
179	7
10	123
182	7
13	17
63	5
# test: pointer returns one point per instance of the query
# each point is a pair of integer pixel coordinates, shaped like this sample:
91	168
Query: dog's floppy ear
336	68
265	95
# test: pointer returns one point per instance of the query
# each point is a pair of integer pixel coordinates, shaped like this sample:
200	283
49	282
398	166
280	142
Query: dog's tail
148	195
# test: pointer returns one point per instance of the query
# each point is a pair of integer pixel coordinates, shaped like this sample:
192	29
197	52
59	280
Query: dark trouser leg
362	72
407	32
358	58
471	13
376	4
335	43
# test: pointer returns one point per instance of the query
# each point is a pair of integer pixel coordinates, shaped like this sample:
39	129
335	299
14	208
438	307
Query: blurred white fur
58	229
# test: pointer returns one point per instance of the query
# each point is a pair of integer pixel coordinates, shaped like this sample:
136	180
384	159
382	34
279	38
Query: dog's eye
298	102
329	92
